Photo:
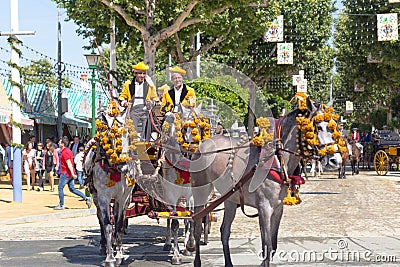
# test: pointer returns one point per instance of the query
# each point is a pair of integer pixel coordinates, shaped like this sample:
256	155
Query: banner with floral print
275	30
387	27
285	53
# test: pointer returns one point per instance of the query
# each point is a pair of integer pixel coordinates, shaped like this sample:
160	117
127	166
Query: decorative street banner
302	88
349	107
285	53
275	31
387	27
297	79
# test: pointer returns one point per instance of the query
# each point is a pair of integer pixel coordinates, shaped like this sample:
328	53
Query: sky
41	16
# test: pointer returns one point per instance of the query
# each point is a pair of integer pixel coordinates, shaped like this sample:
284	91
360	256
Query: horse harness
280	177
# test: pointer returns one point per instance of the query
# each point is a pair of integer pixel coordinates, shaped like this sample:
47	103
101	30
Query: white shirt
138	94
178	94
78	160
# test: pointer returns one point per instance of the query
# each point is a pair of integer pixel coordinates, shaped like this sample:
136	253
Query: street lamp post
93	60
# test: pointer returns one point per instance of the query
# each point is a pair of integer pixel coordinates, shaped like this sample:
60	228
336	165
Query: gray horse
99	173
235	160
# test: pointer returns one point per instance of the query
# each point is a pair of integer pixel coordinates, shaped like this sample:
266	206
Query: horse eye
319	128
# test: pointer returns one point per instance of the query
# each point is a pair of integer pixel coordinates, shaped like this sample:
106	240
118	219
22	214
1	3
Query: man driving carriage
141	94
179	93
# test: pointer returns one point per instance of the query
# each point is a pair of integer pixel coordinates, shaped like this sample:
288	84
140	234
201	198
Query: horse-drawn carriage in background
387	152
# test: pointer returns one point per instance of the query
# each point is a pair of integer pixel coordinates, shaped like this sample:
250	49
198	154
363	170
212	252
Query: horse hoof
190	247
167	247
176	261
102	251
109	263
186	252
119	261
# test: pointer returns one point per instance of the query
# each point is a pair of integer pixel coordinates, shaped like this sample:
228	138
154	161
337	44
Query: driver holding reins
141	94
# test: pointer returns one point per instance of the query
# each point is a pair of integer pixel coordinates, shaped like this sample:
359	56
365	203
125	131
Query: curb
58	215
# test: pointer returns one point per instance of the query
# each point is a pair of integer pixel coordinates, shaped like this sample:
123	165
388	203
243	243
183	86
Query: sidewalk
37	206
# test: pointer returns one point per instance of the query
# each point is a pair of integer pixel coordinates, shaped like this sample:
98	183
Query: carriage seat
390	141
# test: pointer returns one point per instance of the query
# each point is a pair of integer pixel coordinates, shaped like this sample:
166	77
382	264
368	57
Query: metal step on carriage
387	155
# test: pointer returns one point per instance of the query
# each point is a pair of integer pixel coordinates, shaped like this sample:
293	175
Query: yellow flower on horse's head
327	116
319	118
196	138
194	131
331	149
336	135
263	123
332	125
258	141
322	152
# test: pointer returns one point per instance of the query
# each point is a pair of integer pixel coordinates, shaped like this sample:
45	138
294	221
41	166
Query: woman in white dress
28	156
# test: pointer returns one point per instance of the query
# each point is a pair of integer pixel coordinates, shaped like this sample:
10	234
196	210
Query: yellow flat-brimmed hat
140	67
176	69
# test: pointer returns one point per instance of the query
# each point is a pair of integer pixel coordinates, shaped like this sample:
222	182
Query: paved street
355	221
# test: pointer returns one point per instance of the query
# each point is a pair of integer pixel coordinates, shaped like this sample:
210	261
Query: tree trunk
150	57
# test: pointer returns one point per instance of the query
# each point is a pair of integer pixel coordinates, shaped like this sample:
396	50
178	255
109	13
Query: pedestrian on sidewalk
28	156
39	166
9	161
79	166
68	174
51	163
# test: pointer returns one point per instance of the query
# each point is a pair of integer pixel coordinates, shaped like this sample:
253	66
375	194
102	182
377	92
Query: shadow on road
143	243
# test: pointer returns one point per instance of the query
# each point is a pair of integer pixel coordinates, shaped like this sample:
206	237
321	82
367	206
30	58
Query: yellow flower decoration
263	123
336	135
196	138
319	118
258	141
331	149
194	131
322	152
332	125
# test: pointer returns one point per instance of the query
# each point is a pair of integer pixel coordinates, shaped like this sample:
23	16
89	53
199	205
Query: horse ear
310	105
330	103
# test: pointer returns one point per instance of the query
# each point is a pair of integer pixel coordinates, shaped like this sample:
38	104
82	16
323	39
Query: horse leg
197	237
108	231
275	222
229	215
176	258
168	244
103	241
206	228
119	231
265	212
189	238
312	171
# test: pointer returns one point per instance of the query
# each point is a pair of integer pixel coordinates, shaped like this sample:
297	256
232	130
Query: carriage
387	155
239	166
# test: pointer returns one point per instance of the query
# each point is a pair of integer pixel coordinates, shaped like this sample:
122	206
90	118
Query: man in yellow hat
179	93
140	93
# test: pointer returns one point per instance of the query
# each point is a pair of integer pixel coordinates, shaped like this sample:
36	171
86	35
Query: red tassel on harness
115	175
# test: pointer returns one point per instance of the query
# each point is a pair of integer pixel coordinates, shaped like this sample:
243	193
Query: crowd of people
42	162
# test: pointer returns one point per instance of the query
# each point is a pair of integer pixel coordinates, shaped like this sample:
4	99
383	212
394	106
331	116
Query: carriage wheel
381	162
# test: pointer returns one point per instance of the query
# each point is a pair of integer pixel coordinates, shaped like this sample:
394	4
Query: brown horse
355	158
345	157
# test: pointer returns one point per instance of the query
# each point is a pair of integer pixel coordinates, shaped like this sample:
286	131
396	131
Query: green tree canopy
41	72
